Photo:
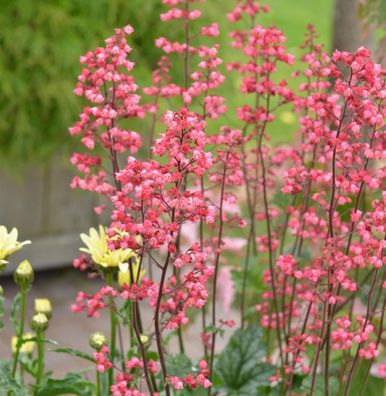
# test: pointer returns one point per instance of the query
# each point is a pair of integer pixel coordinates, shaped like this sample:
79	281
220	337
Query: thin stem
353	365
142	349
187	43
318	349
98	383
40	366
113	325
23	298
158	333
269	236
203	311
216	266
380	331
121	347
245	276
331	236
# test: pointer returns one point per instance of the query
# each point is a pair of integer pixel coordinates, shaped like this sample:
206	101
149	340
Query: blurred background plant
41	41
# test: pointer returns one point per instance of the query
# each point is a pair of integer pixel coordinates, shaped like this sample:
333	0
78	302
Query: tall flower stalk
312	236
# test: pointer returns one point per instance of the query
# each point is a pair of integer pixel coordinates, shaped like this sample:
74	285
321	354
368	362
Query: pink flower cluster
193	381
102	361
309	219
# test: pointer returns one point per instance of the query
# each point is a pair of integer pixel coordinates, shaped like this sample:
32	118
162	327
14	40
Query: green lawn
290	16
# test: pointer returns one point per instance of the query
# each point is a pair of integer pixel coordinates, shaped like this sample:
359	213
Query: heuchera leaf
319	388
178	365
238	369
70	384
372	387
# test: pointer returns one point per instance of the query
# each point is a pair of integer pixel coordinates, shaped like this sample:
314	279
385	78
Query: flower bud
144	338
1	291
24	274
97	340
43	305
39	322
27	347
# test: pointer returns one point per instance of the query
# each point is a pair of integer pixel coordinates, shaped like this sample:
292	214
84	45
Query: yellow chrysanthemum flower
97	248
43	305
9	243
27	347
124	274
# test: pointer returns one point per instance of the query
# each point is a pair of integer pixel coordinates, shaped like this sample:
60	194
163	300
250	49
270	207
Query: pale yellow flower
39	322
27	347
124	274
144	338
97	340
97	248
24	274
9	243
43	305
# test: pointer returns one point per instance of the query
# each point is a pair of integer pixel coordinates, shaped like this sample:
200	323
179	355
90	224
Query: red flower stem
158	333
268	225
319	348
216	266
355	360
187	43
331	236
245	275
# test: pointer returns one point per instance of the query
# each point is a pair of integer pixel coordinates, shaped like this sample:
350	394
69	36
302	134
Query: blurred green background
40	45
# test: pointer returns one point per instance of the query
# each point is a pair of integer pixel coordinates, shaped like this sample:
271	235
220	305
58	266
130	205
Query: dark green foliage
179	365
319	385
71	384
239	369
372	387
40	45
8	386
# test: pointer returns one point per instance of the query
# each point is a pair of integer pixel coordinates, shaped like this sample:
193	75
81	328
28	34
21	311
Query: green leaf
319	385
372	387
238	369
8	385
196	392
71	384
74	352
178	365
15	313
